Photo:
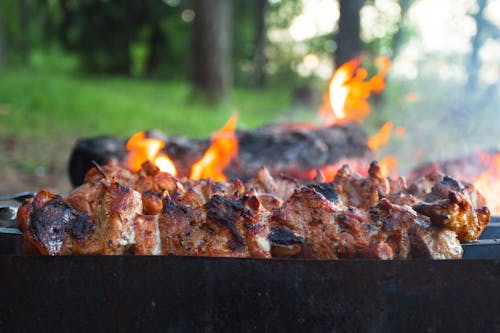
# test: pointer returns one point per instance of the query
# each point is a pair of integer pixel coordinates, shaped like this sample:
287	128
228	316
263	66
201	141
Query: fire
349	89
411	97
223	147
400	131
488	183
142	149
389	166
381	138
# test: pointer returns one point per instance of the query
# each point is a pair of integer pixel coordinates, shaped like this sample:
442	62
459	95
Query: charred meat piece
362	192
452	205
329	231
52	226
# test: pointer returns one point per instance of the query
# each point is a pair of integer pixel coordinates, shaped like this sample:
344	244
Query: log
285	148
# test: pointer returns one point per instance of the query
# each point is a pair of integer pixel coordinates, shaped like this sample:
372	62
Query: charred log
291	149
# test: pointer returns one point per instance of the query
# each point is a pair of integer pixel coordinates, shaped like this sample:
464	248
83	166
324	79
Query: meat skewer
117	211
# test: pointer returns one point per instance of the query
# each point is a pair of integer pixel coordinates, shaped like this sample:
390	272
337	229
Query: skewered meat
152	213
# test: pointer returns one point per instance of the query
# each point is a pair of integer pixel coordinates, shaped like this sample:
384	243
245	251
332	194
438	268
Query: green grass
46	104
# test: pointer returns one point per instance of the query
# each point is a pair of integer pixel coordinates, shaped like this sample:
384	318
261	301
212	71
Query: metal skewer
19	197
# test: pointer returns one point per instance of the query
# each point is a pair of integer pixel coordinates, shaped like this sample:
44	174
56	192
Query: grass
43	103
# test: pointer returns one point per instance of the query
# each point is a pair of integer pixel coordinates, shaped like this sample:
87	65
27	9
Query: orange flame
381	138
349	89
389	166
142	149
400	131
223	147
488	183
411	97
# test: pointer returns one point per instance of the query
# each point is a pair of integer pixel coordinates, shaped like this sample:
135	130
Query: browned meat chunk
52	226
451	205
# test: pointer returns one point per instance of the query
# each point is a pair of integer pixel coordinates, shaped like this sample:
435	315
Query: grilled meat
53	227
152	213
453	205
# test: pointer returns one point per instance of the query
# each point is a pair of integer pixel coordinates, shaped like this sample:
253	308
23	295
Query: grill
186	294
172	294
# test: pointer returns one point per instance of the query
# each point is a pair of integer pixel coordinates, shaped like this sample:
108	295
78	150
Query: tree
397	38
212	48
120	37
24	20
348	36
2	44
477	41
259	59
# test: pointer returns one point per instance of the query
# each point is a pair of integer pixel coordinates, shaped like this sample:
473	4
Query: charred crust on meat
341	217
53	222
374	170
225	211
283	236
453	182
218	186
151	193
170	207
327	190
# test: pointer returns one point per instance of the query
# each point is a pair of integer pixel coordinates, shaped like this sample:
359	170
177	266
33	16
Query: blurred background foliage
72	68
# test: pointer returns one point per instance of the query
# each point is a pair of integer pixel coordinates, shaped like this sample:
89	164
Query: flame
400	131
411	97
488	183
389	166
223	147
142	149
381	138
349	89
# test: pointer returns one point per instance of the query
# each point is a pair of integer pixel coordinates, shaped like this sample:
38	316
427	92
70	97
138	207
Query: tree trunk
2	43
24	44
477	42
155	50
259	59
348	36
212	48
396	41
